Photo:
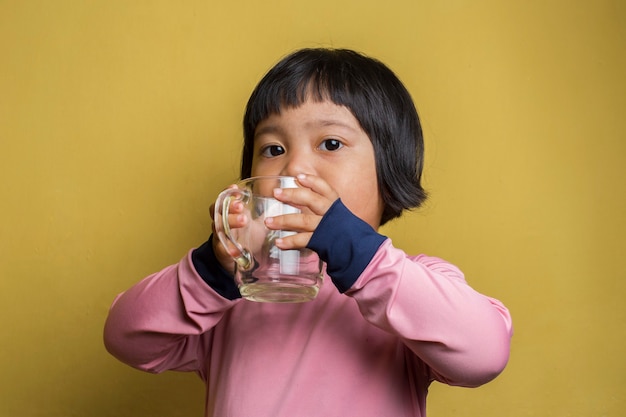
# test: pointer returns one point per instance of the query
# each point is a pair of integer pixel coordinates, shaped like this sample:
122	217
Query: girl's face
326	140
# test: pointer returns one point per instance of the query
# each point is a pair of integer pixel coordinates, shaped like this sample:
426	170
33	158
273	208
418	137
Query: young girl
384	324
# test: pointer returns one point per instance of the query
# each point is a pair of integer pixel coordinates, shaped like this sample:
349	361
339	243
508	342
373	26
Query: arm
163	322
463	336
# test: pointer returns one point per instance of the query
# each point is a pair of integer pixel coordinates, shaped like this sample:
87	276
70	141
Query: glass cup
263	272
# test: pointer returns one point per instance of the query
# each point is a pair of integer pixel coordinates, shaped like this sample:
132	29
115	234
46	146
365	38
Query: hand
314	197
235	220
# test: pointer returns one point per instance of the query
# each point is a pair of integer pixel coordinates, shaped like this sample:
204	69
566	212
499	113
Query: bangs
286	89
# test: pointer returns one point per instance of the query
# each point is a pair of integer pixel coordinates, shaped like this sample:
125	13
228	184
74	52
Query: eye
331	145
272	150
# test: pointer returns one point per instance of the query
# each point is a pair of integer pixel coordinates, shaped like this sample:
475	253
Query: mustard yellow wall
120	121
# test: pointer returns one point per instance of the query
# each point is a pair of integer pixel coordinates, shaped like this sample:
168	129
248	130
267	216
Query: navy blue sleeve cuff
208	267
346	243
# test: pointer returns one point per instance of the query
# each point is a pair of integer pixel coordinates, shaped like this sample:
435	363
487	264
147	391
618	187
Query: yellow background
120	121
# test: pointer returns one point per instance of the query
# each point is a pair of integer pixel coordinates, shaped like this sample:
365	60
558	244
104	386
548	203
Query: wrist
210	269
345	243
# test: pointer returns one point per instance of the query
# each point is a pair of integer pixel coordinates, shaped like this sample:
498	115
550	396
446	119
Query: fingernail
301	176
278	191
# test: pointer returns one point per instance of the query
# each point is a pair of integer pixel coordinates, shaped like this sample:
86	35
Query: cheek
361	195
258	169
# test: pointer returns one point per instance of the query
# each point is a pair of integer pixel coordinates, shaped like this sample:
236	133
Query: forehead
309	115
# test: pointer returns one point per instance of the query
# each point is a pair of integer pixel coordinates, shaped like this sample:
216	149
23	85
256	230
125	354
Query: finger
236	220
294	222
236	207
297	241
317	185
304	197
235	217
323	194
212	208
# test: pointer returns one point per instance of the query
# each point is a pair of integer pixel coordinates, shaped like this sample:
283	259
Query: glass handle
240	255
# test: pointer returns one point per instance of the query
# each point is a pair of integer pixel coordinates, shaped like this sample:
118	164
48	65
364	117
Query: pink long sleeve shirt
369	345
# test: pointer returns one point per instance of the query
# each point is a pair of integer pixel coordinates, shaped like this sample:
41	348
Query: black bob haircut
376	98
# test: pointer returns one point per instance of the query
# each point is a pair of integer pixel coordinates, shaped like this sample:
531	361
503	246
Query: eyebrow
332	122
267	129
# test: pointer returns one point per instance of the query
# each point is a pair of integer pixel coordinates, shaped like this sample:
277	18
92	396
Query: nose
298	162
